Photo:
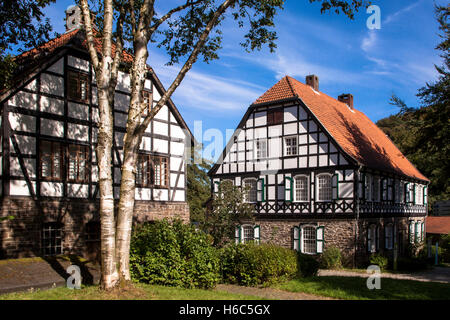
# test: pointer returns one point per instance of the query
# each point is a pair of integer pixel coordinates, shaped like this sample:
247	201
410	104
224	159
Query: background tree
22	24
423	134
198	186
228	209
187	31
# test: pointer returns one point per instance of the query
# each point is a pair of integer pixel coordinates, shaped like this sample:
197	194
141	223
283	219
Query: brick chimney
313	81
73	18
347	98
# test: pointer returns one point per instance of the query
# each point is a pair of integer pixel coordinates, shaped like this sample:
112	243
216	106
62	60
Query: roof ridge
290	86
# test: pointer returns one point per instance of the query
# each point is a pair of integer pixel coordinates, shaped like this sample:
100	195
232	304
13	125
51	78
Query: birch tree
188	31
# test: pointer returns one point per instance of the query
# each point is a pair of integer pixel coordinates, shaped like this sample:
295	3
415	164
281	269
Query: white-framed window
376	189
309	239
290	146
251	194
301	190
419	194
308	244
261	149
389	236
324	187
412	227
418	232
247	233
368	186
372	238
52	238
397	187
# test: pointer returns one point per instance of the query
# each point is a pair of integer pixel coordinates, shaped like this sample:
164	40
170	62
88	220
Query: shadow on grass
356	288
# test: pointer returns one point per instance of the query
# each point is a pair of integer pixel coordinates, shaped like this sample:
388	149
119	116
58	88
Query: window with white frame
301	189
376	189
52	238
308	239
389	236
251	192
324	187
261	151
368	187
290	146
248	234
419	194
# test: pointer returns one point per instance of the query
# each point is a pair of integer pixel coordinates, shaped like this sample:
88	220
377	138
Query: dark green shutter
288	189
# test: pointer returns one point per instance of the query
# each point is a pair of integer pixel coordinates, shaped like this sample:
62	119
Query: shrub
379	260
331	258
173	254
252	264
307	265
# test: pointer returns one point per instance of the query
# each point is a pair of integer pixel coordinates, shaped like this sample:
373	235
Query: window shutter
414	193
335	187
260	190
296	238
422	237
288	189
416	232
386	238
319	239
256	232
425	195
377	238
237	234
369	239
411	231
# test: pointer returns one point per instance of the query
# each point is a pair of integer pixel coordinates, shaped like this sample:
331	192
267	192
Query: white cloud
395	15
204	91
369	41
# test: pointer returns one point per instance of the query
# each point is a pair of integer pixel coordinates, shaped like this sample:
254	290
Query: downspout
357	214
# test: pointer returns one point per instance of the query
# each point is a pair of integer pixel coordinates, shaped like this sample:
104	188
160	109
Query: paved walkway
269	293
436	274
42	273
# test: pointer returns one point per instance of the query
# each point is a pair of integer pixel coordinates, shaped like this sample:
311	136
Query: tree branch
186	67
170	13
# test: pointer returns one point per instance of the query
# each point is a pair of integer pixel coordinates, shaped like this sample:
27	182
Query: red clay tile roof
355	133
63	40
438	225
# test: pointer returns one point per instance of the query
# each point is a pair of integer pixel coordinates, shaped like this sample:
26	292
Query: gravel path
437	274
269	293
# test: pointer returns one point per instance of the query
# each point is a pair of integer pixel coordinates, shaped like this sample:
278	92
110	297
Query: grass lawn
138	292
354	288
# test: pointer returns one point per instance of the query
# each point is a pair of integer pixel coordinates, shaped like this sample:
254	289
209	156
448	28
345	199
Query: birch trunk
109	276
131	147
106	79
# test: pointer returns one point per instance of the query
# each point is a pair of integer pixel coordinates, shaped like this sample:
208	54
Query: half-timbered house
322	174
49	125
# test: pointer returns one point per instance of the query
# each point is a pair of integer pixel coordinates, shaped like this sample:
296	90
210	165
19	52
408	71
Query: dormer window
78	86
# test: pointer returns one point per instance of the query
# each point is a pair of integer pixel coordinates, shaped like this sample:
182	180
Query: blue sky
347	56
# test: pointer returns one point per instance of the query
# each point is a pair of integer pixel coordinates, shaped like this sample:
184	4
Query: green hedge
331	258
257	264
307	265
173	254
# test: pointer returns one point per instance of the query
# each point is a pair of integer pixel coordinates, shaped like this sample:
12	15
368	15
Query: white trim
285	146
308	187
317	186
256	189
302	227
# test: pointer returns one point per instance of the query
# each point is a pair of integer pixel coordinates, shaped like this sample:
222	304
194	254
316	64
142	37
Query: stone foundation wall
22	236
346	234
